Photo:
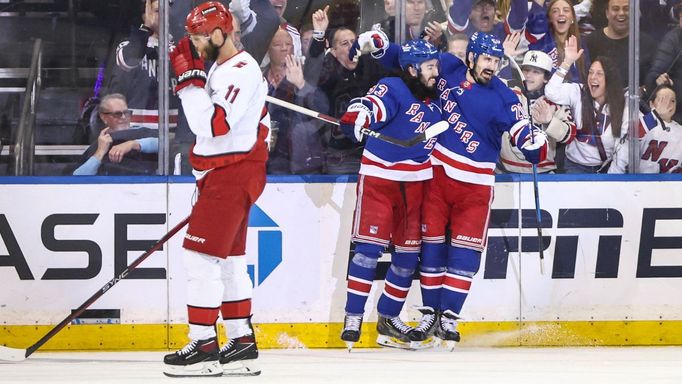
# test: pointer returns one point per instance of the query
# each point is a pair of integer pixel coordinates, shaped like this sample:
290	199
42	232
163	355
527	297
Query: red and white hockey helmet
206	17
537	59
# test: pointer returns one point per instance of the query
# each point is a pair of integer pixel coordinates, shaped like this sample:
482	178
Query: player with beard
480	109
390	189
227	113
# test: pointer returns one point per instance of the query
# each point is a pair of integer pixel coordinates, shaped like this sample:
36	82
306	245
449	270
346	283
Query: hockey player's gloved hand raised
534	147
357	116
374	42
188	66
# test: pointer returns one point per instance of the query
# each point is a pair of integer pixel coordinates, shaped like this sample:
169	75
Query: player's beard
211	51
481	80
418	88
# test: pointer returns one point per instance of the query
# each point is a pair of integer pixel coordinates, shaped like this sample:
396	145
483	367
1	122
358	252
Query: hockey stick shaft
536	189
100	292
431	131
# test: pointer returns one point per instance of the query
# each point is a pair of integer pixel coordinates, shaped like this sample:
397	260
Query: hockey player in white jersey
226	111
659	138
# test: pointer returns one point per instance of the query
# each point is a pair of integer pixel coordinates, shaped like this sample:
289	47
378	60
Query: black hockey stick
536	190
17	354
432	131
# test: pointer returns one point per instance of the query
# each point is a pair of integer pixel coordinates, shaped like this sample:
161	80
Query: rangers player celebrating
390	189
226	111
480	109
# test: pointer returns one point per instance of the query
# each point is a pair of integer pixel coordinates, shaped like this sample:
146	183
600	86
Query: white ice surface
466	365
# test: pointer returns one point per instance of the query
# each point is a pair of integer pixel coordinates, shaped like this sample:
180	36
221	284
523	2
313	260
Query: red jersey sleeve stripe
219	125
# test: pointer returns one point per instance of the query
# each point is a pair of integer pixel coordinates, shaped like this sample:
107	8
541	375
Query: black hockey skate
421	337
198	358
351	330
238	357
447	329
393	333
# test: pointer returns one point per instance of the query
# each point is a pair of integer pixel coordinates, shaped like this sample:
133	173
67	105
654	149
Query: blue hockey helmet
415	52
484	43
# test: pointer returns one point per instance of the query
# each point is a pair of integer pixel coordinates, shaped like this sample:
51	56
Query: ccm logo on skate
264	246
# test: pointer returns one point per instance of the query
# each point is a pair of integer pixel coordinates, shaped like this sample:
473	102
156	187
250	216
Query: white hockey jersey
660	147
228	116
586	149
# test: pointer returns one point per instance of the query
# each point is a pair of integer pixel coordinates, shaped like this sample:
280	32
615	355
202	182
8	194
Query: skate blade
241	368
449	345
204	368
392	342
349	345
424	344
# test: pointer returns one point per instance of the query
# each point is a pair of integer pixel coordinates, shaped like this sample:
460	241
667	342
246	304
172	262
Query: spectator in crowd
341	79
612	40
469	16
135	76
120	149
555	120
298	148
666	67
457	45
280	7
660	137
547	30
598	106
415	19
306	38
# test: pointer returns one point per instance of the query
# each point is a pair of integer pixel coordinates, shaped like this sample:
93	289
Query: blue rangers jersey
397	113
478	116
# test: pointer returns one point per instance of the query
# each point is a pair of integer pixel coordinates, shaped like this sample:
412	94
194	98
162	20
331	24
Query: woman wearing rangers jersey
480	109
226	111
660	137
598	107
390	189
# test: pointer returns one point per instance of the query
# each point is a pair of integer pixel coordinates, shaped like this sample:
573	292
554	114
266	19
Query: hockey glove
357	116
188	66
374	42
534	147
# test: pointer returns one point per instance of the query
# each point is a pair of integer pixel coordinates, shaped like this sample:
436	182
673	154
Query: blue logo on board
269	245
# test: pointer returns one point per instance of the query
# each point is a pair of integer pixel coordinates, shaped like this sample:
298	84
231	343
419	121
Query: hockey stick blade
12	354
436	129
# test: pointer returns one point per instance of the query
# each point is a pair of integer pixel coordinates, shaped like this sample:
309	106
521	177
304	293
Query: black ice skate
351	330
238	357
421	336
393	332
447	329
198	358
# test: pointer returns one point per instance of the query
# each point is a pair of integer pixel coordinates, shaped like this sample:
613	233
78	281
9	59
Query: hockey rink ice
465	365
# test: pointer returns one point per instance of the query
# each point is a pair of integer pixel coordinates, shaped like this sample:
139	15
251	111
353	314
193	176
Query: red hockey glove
188	66
357	116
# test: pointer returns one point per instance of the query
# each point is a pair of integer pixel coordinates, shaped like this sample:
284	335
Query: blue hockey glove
374	42
534	146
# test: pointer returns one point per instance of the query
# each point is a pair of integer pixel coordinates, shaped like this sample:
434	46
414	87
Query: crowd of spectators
304	55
